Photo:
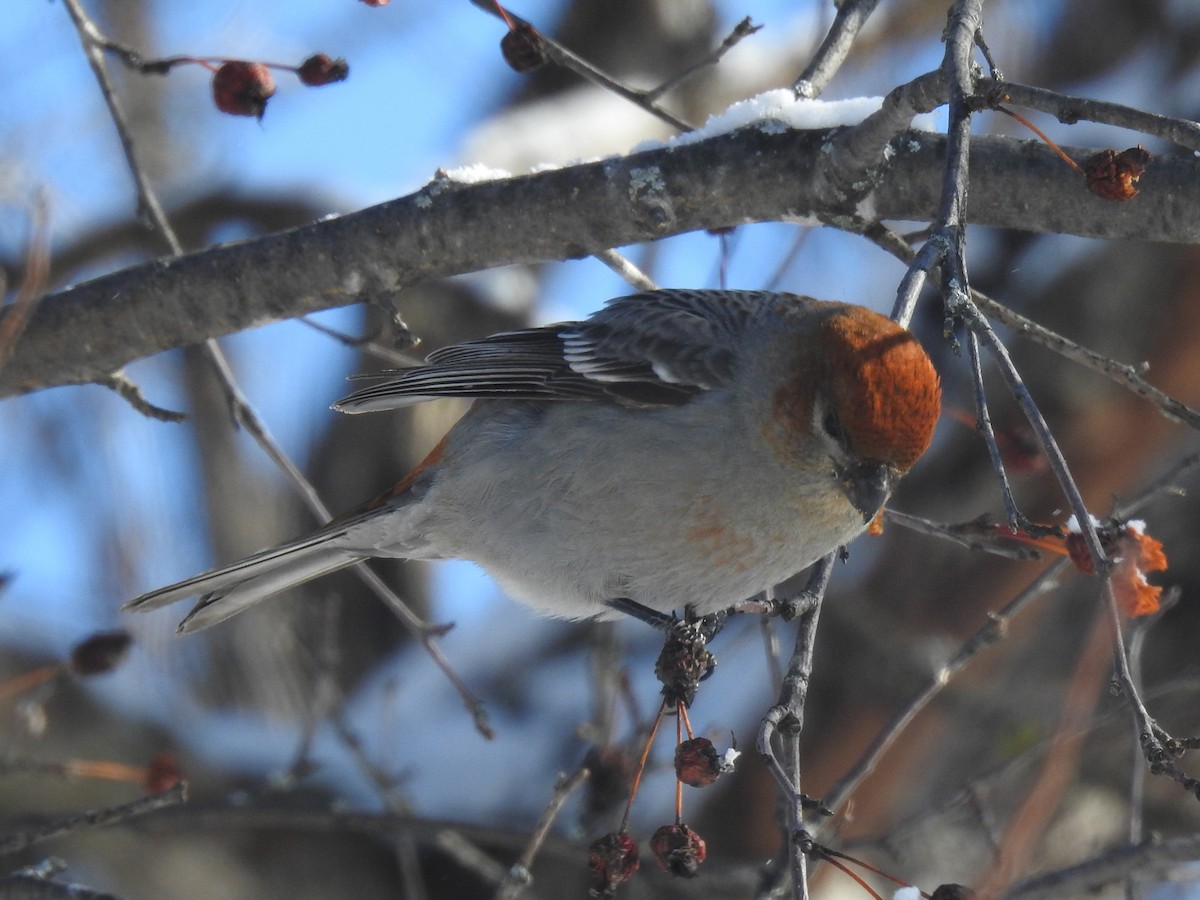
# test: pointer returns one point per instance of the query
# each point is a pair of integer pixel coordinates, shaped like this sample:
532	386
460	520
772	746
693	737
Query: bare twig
23	886
1124	374
785	721
95	818
983	423
742	29
128	391
1033	415
1153	858
624	267
561	56
1158	747
850	18
519	877
976	535
1069	110
34	281
396	358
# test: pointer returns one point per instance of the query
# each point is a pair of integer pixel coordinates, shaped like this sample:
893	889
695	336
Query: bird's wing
657	348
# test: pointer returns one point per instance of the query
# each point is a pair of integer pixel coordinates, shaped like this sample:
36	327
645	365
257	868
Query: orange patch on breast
711	538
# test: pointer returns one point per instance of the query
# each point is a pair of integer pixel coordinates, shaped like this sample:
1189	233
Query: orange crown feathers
885	387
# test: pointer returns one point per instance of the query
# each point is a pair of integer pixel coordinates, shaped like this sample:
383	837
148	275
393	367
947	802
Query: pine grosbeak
678	447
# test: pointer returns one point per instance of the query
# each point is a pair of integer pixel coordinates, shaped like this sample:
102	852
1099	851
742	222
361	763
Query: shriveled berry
320	69
1114	176
100	653
612	859
242	88
952	892
162	774
523	48
679	849
697	762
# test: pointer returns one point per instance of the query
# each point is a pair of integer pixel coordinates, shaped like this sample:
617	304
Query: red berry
163	774
242	88
697	762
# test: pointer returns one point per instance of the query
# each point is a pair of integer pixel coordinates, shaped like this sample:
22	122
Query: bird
678	449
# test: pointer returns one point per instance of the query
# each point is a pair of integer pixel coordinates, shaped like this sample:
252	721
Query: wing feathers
658	348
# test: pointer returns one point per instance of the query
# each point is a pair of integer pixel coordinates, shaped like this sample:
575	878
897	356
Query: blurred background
319	702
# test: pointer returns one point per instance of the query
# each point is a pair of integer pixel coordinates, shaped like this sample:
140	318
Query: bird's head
859	403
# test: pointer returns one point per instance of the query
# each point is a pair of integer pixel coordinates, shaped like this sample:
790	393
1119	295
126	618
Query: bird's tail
228	590
390	525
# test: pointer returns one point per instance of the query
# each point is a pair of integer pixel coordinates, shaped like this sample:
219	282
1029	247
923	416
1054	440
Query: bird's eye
831	426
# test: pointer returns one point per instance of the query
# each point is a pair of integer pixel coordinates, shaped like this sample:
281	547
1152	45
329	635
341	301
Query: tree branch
757	173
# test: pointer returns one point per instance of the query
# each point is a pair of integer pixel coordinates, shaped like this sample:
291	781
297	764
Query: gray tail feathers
227	591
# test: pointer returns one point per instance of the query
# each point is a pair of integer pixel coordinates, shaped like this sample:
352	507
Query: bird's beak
867	484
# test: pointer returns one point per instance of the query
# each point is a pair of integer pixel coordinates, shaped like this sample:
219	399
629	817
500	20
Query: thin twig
983	423
34	281
624	267
95	818
128	391
561	56
397	358
785	720
1069	110
1158	747
975	535
519	877
1033	415
850	18
1126	375
742	29
1153	858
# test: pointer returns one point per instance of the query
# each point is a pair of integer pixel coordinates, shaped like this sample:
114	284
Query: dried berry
612	859
697	762
612	777
523	48
319	69
952	892
242	88
679	849
100	653
1135	554
1114	176
162	774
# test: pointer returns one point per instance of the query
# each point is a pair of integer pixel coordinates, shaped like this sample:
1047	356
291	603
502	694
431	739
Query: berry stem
637	778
